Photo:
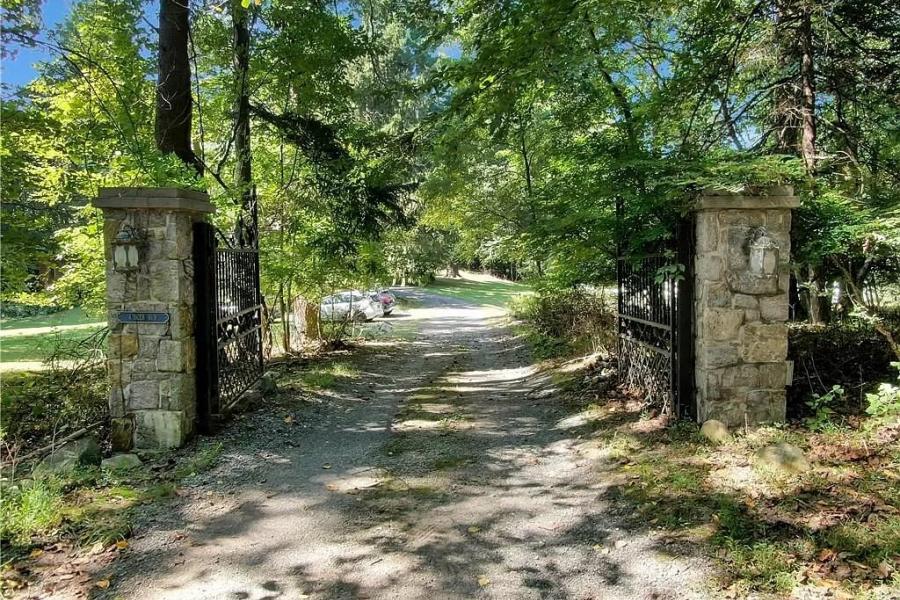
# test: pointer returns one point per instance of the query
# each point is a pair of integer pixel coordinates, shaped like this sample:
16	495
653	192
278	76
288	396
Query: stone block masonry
148	241
741	271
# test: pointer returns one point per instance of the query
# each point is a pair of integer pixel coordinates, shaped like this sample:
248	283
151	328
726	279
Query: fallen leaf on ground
13	584
122	544
103	584
484	580
826	554
474	529
35	553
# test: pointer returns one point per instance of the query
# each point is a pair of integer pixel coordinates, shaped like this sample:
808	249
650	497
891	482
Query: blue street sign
129	316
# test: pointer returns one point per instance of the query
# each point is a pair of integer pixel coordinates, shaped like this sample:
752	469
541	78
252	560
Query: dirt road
444	470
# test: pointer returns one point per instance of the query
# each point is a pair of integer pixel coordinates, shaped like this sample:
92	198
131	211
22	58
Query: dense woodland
389	139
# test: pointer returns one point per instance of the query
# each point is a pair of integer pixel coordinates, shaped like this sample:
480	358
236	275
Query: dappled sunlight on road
436	471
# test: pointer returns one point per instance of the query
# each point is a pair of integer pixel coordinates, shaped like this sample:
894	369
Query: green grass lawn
489	293
31	339
65	318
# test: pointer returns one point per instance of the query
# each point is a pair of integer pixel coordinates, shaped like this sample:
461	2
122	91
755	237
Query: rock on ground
63	461
121	462
784	457
715	431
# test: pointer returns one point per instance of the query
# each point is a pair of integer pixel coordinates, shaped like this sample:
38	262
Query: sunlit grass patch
870	542
203	460
837	523
763	566
31	508
100	515
623	445
397	496
65	318
495	293
83	510
325	376
91	506
446	463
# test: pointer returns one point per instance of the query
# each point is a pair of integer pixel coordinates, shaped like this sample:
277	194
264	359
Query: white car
353	305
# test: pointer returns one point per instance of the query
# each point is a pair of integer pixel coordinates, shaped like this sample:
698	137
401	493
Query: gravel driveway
444	470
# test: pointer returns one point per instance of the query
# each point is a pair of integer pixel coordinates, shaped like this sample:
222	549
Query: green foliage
884	402
204	459
769	565
392	139
31	508
323	377
25	304
848	354
567	321
822	407
37	404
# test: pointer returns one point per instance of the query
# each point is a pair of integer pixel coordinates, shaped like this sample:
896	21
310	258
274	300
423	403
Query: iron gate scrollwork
655	325
229	316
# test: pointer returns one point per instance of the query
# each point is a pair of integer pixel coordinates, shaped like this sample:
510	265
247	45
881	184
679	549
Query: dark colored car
386	298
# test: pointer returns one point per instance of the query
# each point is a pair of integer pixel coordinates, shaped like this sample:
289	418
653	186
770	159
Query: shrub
569	320
822	409
884	402
24	304
849	354
71	392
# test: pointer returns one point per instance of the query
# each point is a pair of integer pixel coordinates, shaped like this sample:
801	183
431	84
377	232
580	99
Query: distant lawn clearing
64	318
479	289
26	342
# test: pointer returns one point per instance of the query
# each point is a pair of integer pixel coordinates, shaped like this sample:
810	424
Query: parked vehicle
386	298
353	305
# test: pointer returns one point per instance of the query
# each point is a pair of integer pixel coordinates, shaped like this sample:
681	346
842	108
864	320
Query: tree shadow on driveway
435	472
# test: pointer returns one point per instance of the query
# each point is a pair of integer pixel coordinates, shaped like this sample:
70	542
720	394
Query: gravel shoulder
443	469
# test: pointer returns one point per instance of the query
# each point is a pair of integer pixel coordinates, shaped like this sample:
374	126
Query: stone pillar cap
776	196
170	198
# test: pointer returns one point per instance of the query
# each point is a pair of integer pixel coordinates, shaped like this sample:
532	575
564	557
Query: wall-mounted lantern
763	254
125	249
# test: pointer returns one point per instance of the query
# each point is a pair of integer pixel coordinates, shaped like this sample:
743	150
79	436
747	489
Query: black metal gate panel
655	324
229	321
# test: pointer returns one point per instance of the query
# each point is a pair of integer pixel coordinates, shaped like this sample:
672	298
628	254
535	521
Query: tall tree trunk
812	294
173	89
808	88
243	172
786	110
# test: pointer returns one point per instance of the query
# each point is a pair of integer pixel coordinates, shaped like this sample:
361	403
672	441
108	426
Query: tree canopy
391	138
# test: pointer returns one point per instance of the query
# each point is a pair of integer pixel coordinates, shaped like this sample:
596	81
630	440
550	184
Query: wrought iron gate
655	324
229	316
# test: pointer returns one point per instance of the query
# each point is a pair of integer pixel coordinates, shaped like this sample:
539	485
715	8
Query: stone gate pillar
148	242
741	275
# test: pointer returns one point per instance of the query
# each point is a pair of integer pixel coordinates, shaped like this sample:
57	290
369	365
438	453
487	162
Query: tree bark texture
243	175
808	88
786	113
174	104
